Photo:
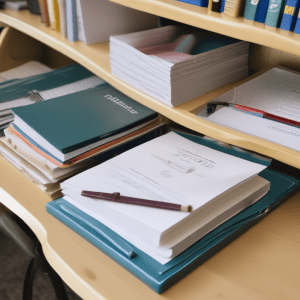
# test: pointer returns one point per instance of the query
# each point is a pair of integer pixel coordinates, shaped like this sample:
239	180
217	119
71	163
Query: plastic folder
160	277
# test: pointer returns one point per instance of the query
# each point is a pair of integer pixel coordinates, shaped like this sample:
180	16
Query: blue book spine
223	5
250	9
261	11
297	27
202	3
71	17
275	11
289	15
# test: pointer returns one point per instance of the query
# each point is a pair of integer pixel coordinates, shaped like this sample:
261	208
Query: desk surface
263	263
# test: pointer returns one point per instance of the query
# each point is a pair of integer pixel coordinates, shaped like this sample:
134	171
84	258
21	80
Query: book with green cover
73	124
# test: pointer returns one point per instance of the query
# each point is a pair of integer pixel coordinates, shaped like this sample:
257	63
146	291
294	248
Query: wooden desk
264	263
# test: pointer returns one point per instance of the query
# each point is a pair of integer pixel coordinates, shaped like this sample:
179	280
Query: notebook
76	123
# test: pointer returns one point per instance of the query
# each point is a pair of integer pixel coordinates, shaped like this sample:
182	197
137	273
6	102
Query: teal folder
73	121
21	87
160	277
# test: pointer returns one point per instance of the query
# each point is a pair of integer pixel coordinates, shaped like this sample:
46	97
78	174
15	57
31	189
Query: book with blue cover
250	9
202	3
74	124
274	14
297	26
160	276
289	15
261	11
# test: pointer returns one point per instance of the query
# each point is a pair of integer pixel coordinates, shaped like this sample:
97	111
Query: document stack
90	122
176	64
128	205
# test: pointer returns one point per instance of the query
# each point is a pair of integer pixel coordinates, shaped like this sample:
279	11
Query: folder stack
75	129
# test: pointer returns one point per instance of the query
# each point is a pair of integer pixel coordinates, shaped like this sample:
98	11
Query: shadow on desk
13	265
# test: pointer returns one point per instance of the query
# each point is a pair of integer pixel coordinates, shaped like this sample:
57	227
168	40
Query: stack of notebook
227	190
68	134
84	122
176	64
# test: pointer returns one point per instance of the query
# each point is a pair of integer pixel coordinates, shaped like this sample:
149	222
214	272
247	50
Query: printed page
28	69
276	91
282	134
169	169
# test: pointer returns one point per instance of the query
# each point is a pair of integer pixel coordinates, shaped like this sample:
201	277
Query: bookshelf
228	274
96	59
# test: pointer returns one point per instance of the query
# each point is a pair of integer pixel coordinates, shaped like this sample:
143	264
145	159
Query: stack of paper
170	169
176	64
52	140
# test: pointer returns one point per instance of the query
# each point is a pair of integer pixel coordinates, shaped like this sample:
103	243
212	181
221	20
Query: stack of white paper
176	64
168	169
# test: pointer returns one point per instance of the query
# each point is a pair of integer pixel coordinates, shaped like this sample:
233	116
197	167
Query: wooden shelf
235	27
96	59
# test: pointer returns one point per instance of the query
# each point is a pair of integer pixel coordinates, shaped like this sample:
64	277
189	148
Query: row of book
281	14
87	20
276	14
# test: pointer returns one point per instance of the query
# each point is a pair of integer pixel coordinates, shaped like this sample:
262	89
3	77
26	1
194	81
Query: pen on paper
253	111
116	197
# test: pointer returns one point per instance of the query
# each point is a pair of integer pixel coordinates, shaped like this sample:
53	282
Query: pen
116	197
211	107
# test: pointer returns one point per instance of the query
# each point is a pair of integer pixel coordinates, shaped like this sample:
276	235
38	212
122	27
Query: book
250	9
274	14
274	92
202	3
234	8
156	61
261	11
112	18
289	15
297	25
216	5
71	20
157	275
44	12
62	17
64	138
56	15
171	169
50	6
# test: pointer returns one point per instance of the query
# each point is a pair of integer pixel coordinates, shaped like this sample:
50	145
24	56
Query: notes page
276	91
169	169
